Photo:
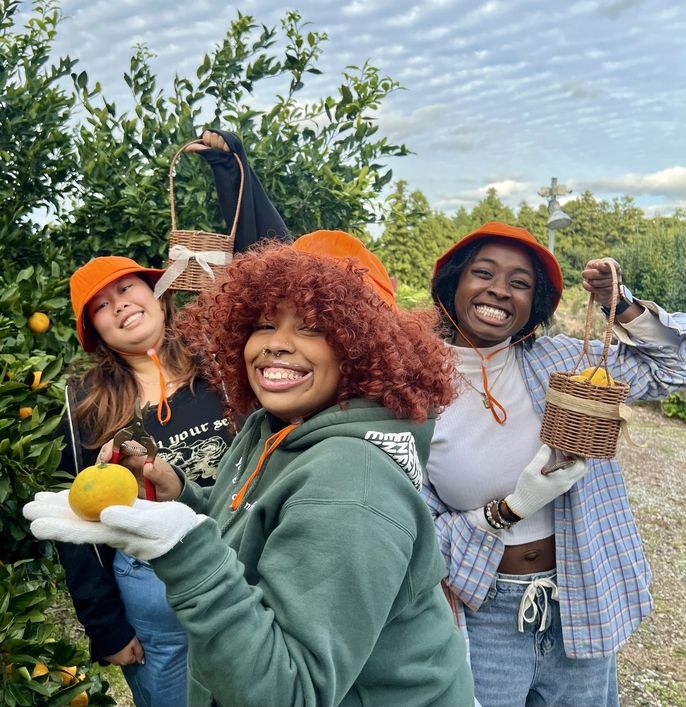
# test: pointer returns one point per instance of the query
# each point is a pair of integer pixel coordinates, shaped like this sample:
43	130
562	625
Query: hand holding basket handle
582	417
599	280
208	141
193	253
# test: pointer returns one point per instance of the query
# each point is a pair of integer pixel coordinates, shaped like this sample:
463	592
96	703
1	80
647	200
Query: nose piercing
268	352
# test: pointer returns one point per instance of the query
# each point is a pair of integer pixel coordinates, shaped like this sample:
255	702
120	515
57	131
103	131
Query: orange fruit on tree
39	669
39	322
25	412
100	486
67	674
81	700
36	382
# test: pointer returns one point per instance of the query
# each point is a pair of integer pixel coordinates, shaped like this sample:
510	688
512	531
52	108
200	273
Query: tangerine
81	700
590	375
39	322
25	412
67	674
39	669
100	486
36	382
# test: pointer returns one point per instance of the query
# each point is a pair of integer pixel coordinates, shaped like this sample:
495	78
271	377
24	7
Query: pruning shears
136	432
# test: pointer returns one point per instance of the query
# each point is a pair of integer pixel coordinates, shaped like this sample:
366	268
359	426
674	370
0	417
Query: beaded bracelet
493	517
488	512
498	516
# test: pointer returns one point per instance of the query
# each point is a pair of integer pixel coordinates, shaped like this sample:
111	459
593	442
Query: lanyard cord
270	444
163	402
497	409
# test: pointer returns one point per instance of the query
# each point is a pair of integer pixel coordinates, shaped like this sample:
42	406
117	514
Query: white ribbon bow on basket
180	256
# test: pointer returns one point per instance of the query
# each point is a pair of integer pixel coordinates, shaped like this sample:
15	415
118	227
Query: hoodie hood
406	443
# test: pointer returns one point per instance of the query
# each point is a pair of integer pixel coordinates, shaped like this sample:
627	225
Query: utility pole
557	218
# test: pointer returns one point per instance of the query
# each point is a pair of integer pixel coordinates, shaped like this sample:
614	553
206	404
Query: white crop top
473	459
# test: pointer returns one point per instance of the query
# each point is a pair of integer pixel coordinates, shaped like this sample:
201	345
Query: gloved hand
535	490
145	530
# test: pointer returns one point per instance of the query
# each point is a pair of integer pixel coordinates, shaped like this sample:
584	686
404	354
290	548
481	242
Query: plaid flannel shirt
602	572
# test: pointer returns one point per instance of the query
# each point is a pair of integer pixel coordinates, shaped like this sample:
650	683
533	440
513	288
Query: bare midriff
536	556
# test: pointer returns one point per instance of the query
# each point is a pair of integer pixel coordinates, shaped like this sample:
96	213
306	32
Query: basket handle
607	336
172	204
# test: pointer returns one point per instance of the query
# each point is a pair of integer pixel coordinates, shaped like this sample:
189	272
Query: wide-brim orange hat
90	278
341	246
520	235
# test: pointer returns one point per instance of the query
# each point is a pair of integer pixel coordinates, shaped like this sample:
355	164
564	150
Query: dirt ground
652	666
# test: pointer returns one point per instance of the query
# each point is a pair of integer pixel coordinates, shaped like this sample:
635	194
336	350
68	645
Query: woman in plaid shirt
546	572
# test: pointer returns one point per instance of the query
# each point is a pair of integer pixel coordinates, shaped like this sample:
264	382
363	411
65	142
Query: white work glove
145	530
535	490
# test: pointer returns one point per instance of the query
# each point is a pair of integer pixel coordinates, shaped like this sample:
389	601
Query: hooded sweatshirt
323	587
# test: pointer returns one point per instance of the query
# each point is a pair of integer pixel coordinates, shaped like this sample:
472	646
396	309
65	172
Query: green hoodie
323	587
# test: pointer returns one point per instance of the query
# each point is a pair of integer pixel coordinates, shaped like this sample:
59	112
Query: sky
503	94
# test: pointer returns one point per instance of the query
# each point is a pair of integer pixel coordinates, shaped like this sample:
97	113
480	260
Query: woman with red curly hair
316	578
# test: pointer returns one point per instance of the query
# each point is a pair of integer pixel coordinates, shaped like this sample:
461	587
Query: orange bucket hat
340	246
521	235
90	278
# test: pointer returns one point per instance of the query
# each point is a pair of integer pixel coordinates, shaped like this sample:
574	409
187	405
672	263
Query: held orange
39	322
100	486
600	377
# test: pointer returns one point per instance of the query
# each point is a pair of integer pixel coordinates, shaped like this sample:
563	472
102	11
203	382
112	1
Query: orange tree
93	181
37	165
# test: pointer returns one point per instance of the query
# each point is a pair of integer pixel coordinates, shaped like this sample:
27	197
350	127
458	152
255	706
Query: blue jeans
530	668
161	680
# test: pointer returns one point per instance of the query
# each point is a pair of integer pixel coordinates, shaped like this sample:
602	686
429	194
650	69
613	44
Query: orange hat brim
90	278
340	245
520	235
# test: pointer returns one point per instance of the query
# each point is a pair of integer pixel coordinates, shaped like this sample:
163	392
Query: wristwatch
626	299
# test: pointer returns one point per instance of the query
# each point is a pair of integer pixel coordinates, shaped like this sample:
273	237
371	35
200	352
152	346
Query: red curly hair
390	356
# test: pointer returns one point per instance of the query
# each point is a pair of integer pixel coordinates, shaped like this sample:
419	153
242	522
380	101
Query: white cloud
670	182
498	93
356	9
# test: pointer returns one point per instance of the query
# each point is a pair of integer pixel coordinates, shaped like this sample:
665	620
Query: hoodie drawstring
270	444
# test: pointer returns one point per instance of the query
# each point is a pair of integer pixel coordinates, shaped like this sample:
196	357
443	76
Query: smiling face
291	368
494	296
126	315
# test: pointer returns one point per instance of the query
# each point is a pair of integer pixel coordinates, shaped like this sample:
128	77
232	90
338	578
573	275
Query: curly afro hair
389	356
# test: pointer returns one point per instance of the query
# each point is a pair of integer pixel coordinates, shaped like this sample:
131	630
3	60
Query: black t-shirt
195	438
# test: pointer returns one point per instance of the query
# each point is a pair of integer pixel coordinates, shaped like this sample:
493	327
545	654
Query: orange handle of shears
150	492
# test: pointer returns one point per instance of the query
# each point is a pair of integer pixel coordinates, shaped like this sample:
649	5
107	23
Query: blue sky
498	94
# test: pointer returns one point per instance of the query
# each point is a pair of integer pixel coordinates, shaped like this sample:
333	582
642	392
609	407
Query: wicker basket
581	418
194	256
